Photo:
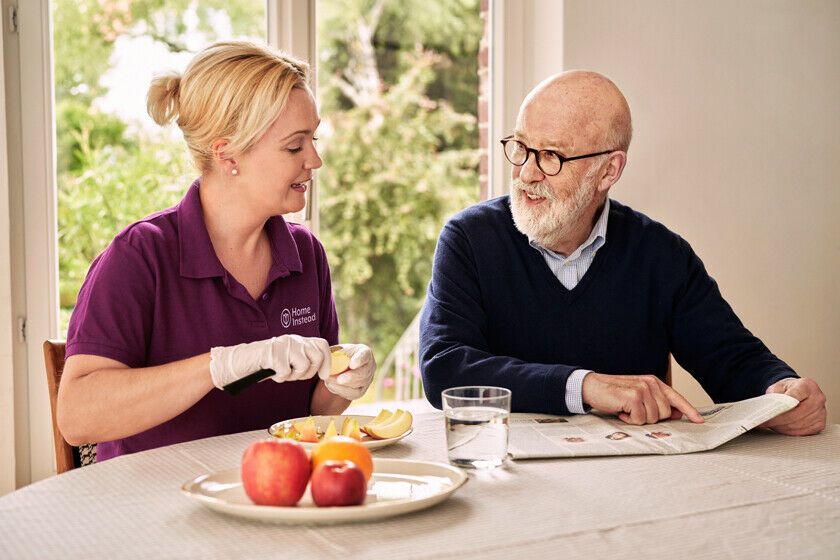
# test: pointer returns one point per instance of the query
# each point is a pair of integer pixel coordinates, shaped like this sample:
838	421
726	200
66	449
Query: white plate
321	422
397	486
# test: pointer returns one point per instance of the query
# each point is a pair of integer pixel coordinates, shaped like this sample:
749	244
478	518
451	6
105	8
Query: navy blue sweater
496	315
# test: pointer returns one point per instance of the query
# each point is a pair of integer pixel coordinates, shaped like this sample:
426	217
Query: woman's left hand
353	383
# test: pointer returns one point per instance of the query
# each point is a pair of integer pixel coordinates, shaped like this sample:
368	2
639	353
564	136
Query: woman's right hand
292	357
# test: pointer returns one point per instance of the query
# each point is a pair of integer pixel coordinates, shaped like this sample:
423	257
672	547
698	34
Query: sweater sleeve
454	348
712	344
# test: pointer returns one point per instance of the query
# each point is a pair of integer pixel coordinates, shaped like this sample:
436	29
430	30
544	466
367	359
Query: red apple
338	483
275	472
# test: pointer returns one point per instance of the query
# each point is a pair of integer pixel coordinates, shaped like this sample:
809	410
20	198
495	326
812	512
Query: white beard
551	222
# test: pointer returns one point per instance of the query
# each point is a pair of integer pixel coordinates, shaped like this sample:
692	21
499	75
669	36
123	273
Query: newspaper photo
534	436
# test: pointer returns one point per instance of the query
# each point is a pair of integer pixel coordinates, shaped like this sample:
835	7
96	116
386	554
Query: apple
392	426
338	483
350	428
275	472
331	431
306	431
339	361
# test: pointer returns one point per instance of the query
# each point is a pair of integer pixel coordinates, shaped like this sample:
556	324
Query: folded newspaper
534	436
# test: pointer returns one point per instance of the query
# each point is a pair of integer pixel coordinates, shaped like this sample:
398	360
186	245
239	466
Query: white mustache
534	189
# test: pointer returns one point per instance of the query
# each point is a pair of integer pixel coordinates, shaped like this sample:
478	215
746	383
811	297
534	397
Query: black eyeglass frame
536	152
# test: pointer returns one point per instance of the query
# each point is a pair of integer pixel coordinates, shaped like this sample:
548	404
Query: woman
193	298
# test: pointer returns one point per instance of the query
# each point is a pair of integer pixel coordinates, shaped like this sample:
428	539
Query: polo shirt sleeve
712	344
454	350
115	308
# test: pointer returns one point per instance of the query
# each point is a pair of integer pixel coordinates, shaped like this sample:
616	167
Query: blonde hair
232	90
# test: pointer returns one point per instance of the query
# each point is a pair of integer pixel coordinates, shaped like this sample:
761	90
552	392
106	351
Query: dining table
761	495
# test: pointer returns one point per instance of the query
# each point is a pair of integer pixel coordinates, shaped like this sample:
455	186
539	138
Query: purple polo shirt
158	294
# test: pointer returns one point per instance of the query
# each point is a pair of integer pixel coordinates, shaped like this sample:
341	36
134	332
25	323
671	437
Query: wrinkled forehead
568	120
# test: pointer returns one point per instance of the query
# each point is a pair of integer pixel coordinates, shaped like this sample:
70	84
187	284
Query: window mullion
291	28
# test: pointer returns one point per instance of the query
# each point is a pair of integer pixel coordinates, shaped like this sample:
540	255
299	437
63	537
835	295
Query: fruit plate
321	423
397	486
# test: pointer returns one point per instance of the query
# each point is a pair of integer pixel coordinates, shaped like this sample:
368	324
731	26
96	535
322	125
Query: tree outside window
398	90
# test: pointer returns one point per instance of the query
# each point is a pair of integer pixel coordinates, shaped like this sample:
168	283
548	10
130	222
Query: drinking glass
476	421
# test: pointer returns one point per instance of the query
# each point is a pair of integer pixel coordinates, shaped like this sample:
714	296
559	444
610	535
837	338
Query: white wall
736	148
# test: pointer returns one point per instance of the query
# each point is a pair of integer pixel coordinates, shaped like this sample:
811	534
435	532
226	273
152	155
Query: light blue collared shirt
569	270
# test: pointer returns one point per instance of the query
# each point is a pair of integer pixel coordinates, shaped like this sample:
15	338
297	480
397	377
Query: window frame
31	213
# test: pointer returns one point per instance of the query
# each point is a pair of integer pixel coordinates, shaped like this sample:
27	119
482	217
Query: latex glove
353	383
292	357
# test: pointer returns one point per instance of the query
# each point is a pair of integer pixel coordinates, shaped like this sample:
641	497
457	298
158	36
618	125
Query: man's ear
613	170
220	158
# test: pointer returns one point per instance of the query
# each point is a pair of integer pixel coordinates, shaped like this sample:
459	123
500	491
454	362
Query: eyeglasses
549	161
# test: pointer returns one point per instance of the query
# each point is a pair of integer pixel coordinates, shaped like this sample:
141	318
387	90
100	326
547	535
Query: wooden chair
66	456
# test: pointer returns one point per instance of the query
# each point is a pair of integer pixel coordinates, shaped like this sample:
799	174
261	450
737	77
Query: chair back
67	457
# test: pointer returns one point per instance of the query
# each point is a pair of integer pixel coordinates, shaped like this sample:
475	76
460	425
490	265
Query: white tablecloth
759	496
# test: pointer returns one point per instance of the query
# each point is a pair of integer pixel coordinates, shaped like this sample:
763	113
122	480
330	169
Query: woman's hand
292	357
352	383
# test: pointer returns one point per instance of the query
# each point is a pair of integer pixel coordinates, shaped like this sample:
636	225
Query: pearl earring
234	171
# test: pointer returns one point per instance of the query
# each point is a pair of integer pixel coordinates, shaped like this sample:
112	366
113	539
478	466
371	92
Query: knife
237	386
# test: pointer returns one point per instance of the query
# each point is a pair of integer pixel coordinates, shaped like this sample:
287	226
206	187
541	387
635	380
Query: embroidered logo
297	316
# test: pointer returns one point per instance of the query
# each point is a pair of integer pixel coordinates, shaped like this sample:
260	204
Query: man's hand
808	417
636	399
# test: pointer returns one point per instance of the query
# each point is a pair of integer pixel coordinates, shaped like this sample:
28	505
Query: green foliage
108	177
116	186
84	32
398	83
399	156
450	28
386	187
80	128
81	49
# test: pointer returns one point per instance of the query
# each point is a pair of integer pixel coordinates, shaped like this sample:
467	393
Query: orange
343	448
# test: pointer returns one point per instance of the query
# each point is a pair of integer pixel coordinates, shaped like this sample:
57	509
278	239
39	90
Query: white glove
353	383
292	358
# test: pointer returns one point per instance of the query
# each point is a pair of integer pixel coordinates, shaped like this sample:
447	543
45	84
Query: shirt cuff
574	392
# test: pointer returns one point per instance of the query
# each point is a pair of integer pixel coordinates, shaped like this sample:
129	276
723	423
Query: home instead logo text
297	316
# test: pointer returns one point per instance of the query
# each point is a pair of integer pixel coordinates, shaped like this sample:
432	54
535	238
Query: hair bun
163	99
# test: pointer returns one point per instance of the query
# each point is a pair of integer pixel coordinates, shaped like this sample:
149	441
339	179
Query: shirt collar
198	258
597	237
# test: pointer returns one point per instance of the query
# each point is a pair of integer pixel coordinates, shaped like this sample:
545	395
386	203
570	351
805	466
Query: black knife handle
240	384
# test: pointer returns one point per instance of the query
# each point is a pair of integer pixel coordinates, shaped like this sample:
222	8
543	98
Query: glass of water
476	425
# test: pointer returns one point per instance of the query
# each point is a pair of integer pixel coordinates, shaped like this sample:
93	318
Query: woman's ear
225	164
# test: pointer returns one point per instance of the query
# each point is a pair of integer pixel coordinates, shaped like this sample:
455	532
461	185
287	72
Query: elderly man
575	301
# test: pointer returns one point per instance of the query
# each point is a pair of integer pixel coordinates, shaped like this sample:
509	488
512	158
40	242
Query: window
96	129
114	164
398	85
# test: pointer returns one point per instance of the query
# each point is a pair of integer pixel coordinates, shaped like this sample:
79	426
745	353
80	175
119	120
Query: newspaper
534	436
